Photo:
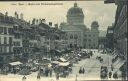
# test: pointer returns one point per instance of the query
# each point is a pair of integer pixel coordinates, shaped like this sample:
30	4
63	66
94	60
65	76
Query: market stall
62	66
15	66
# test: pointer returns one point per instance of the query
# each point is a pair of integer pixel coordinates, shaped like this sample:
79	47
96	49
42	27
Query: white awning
55	62
15	63
62	59
58	51
64	64
49	65
79	55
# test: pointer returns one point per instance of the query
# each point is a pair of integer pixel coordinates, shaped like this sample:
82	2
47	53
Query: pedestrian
110	74
46	72
115	75
101	60
83	71
112	67
57	76
50	72
24	78
80	71
38	76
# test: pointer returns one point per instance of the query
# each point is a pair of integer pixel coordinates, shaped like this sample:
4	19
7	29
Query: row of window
16	43
17	36
4	30
5	49
6	19
90	46
73	37
10	41
33	44
89	40
5	40
9	49
89	35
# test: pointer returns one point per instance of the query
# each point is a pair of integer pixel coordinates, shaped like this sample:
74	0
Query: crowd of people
104	74
82	70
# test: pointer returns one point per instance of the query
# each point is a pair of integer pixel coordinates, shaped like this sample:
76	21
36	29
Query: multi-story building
6	37
91	37
102	39
120	26
18	38
51	38
78	35
109	38
120	34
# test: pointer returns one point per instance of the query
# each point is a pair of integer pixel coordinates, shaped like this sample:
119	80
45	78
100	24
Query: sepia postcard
63	40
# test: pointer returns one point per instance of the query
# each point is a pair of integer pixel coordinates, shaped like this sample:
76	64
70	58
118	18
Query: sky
56	11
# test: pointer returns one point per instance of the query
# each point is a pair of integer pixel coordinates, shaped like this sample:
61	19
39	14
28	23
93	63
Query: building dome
75	15
94	24
75	11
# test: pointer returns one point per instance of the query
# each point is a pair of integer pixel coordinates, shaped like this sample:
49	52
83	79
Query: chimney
36	21
21	16
6	13
16	15
29	22
50	23
43	20
33	21
56	26
40	21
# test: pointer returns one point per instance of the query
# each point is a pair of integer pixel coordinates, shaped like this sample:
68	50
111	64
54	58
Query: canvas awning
55	62
64	64
49	65
62	59
15	63
79	55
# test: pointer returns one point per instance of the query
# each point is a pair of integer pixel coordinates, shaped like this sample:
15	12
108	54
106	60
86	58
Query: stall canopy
49	65
15	63
79	55
62	60
55	62
64	64
61	63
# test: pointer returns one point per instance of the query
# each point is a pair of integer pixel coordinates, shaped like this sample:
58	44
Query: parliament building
78	35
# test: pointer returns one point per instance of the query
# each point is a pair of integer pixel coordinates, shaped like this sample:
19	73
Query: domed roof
95	23
75	11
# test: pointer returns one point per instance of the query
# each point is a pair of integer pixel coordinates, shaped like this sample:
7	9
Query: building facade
16	37
120	27
109	38
120	34
6	38
78	35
